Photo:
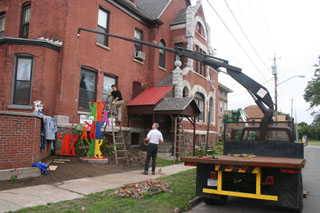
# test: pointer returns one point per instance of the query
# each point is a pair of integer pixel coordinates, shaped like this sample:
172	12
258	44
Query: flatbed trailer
277	179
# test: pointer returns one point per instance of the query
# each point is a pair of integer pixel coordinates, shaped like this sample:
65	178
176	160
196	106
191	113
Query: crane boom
258	92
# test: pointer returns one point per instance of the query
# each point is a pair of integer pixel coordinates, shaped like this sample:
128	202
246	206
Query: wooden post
194	137
175	139
208	127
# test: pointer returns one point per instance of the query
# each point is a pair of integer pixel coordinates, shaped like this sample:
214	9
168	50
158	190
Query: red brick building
44	59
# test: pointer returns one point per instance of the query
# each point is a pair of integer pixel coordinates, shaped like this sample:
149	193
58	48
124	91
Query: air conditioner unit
139	55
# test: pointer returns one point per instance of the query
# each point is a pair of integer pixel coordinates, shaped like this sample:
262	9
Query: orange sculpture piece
68	144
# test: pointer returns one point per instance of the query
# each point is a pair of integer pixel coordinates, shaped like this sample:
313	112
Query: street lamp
299	76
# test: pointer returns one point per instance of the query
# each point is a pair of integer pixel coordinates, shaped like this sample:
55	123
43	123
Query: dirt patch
75	169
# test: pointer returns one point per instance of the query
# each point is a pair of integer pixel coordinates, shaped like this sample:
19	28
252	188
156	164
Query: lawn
181	191
164	162
313	142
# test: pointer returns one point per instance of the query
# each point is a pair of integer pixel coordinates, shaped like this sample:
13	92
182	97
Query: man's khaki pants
117	108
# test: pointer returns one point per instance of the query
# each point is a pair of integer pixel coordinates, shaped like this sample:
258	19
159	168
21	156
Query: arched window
199	98
162	55
185	92
200	28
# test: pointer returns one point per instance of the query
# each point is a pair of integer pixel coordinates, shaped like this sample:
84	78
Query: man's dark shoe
145	172
153	172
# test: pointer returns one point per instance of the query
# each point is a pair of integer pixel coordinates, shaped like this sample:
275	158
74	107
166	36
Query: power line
245	35
267	26
255	17
245	92
235	39
249	25
228	51
284	73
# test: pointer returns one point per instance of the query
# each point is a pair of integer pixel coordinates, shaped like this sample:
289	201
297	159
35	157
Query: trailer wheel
221	200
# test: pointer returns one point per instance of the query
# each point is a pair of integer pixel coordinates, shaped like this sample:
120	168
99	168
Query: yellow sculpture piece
97	152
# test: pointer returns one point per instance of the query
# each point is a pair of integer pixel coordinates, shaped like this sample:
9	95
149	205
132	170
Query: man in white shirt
154	137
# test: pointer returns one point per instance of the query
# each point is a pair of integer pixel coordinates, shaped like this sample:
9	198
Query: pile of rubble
145	188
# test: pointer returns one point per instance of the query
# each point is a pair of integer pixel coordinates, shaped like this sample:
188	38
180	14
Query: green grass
218	149
163	162
313	142
182	190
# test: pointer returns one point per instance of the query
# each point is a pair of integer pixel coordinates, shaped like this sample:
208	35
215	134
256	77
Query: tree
302	124
312	91
316	120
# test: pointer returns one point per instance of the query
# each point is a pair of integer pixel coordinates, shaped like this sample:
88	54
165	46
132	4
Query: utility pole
275	73
291	108
297	132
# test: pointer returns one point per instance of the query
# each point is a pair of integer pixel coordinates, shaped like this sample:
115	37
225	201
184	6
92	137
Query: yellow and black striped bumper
246	169
252	170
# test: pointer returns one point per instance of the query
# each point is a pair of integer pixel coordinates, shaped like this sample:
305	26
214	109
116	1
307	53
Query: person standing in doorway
117	102
154	137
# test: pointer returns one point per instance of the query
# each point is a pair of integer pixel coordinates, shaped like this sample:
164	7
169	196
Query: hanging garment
50	127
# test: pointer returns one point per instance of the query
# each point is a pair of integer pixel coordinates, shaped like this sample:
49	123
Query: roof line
30	42
182	22
164	9
191	99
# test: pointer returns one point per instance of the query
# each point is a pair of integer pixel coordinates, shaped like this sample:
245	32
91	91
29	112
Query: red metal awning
150	96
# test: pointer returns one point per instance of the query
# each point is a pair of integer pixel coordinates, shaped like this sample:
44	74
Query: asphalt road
311	184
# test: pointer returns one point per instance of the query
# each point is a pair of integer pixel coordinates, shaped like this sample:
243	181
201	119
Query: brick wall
20	140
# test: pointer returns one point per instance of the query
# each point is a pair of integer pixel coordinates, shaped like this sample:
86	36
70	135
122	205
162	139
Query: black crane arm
258	92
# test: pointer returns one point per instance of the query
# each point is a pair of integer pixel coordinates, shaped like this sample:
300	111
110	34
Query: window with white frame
199	98
103	22
202	140
22	82
138	36
200	28
108	81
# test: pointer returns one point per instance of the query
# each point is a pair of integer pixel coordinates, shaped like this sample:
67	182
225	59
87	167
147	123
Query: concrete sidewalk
14	199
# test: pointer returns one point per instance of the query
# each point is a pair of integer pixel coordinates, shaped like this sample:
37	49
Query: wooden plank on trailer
274	162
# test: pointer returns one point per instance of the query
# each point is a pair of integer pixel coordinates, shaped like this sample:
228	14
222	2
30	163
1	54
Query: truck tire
221	200
290	191
300	185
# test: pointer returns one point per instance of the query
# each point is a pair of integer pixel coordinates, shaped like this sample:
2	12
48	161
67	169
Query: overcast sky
287	28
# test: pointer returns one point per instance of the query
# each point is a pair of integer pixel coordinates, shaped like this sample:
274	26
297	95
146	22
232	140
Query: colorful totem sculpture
94	139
